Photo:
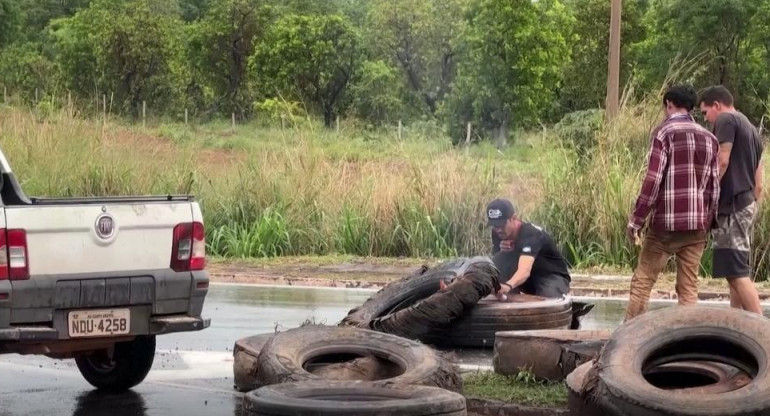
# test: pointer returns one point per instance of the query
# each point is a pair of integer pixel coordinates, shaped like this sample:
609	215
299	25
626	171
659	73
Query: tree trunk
328	116
501	135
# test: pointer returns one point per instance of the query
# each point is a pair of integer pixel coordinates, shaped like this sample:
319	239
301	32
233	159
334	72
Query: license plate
99	323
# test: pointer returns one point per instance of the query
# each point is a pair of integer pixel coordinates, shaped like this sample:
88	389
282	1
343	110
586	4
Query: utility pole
613	70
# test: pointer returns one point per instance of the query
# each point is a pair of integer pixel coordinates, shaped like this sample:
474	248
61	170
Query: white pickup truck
96	279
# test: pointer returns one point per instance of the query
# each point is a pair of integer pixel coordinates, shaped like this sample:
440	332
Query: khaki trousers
658	246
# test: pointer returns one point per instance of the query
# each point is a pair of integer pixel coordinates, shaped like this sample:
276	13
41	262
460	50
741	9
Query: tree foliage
512	68
585	76
499	64
123	50
419	38
220	47
312	58
10	21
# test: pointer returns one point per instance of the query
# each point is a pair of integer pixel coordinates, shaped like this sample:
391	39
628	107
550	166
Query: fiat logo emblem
105	226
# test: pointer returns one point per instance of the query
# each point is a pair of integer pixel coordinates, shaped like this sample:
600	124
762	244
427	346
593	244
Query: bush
578	130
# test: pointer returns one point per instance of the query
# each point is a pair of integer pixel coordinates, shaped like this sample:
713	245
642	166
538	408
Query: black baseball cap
499	212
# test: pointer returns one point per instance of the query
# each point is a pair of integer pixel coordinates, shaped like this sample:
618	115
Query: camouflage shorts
731	239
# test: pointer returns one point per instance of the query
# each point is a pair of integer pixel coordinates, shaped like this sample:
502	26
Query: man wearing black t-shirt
526	255
740	161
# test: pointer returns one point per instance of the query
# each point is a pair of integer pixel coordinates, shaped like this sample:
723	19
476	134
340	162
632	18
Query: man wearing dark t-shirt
526	255
740	163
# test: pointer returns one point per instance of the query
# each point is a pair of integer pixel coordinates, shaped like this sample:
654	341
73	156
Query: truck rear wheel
128	365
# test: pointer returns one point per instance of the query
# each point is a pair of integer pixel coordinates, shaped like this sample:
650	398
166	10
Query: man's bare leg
735	298
747	294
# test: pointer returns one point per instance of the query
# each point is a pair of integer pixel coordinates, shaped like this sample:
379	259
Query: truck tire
290	356
692	333
546	353
130	363
321	398
406	292
245	354
519	313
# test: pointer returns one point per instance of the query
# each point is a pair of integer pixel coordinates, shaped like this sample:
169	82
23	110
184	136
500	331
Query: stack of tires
465	314
682	361
323	370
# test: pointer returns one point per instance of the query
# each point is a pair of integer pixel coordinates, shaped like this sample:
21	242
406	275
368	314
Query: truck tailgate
102	255
66	240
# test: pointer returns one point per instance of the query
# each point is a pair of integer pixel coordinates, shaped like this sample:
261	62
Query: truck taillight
189	247
14	264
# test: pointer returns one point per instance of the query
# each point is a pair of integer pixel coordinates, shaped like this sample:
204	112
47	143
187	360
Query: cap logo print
495	214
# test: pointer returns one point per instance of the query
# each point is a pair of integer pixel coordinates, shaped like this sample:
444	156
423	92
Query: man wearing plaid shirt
680	194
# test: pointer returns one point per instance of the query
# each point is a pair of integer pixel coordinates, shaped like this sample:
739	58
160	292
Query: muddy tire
695	333
245	354
130	363
352	399
547	354
519	313
291	356
443	308
404	293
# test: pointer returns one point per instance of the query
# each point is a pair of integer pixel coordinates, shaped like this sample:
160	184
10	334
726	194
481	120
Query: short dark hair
717	93
681	96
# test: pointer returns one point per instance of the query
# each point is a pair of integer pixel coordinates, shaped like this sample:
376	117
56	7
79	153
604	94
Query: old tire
709	377
546	353
519	313
444	308
693	333
406	292
288	356
245	355
322	398
130	363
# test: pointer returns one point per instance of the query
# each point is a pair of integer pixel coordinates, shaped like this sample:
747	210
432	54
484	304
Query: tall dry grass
299	191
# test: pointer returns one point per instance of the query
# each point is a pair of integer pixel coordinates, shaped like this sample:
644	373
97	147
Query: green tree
312	58
515	52
419	38
23	69
377	93
718	34
10	21
220	47
193	9
585	77
122	50
38	14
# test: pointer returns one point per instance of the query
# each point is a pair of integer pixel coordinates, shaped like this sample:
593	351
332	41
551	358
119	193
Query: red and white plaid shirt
681	186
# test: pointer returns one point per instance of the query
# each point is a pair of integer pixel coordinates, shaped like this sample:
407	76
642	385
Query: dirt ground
375	273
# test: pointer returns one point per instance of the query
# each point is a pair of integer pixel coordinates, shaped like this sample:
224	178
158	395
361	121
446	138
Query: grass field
268	191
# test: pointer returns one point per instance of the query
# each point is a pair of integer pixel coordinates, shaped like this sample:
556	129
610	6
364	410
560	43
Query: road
192	373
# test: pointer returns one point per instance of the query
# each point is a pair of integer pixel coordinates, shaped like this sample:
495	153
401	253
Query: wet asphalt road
192	373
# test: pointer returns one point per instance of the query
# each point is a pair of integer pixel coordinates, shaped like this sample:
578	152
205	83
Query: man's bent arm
724	157
523	272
